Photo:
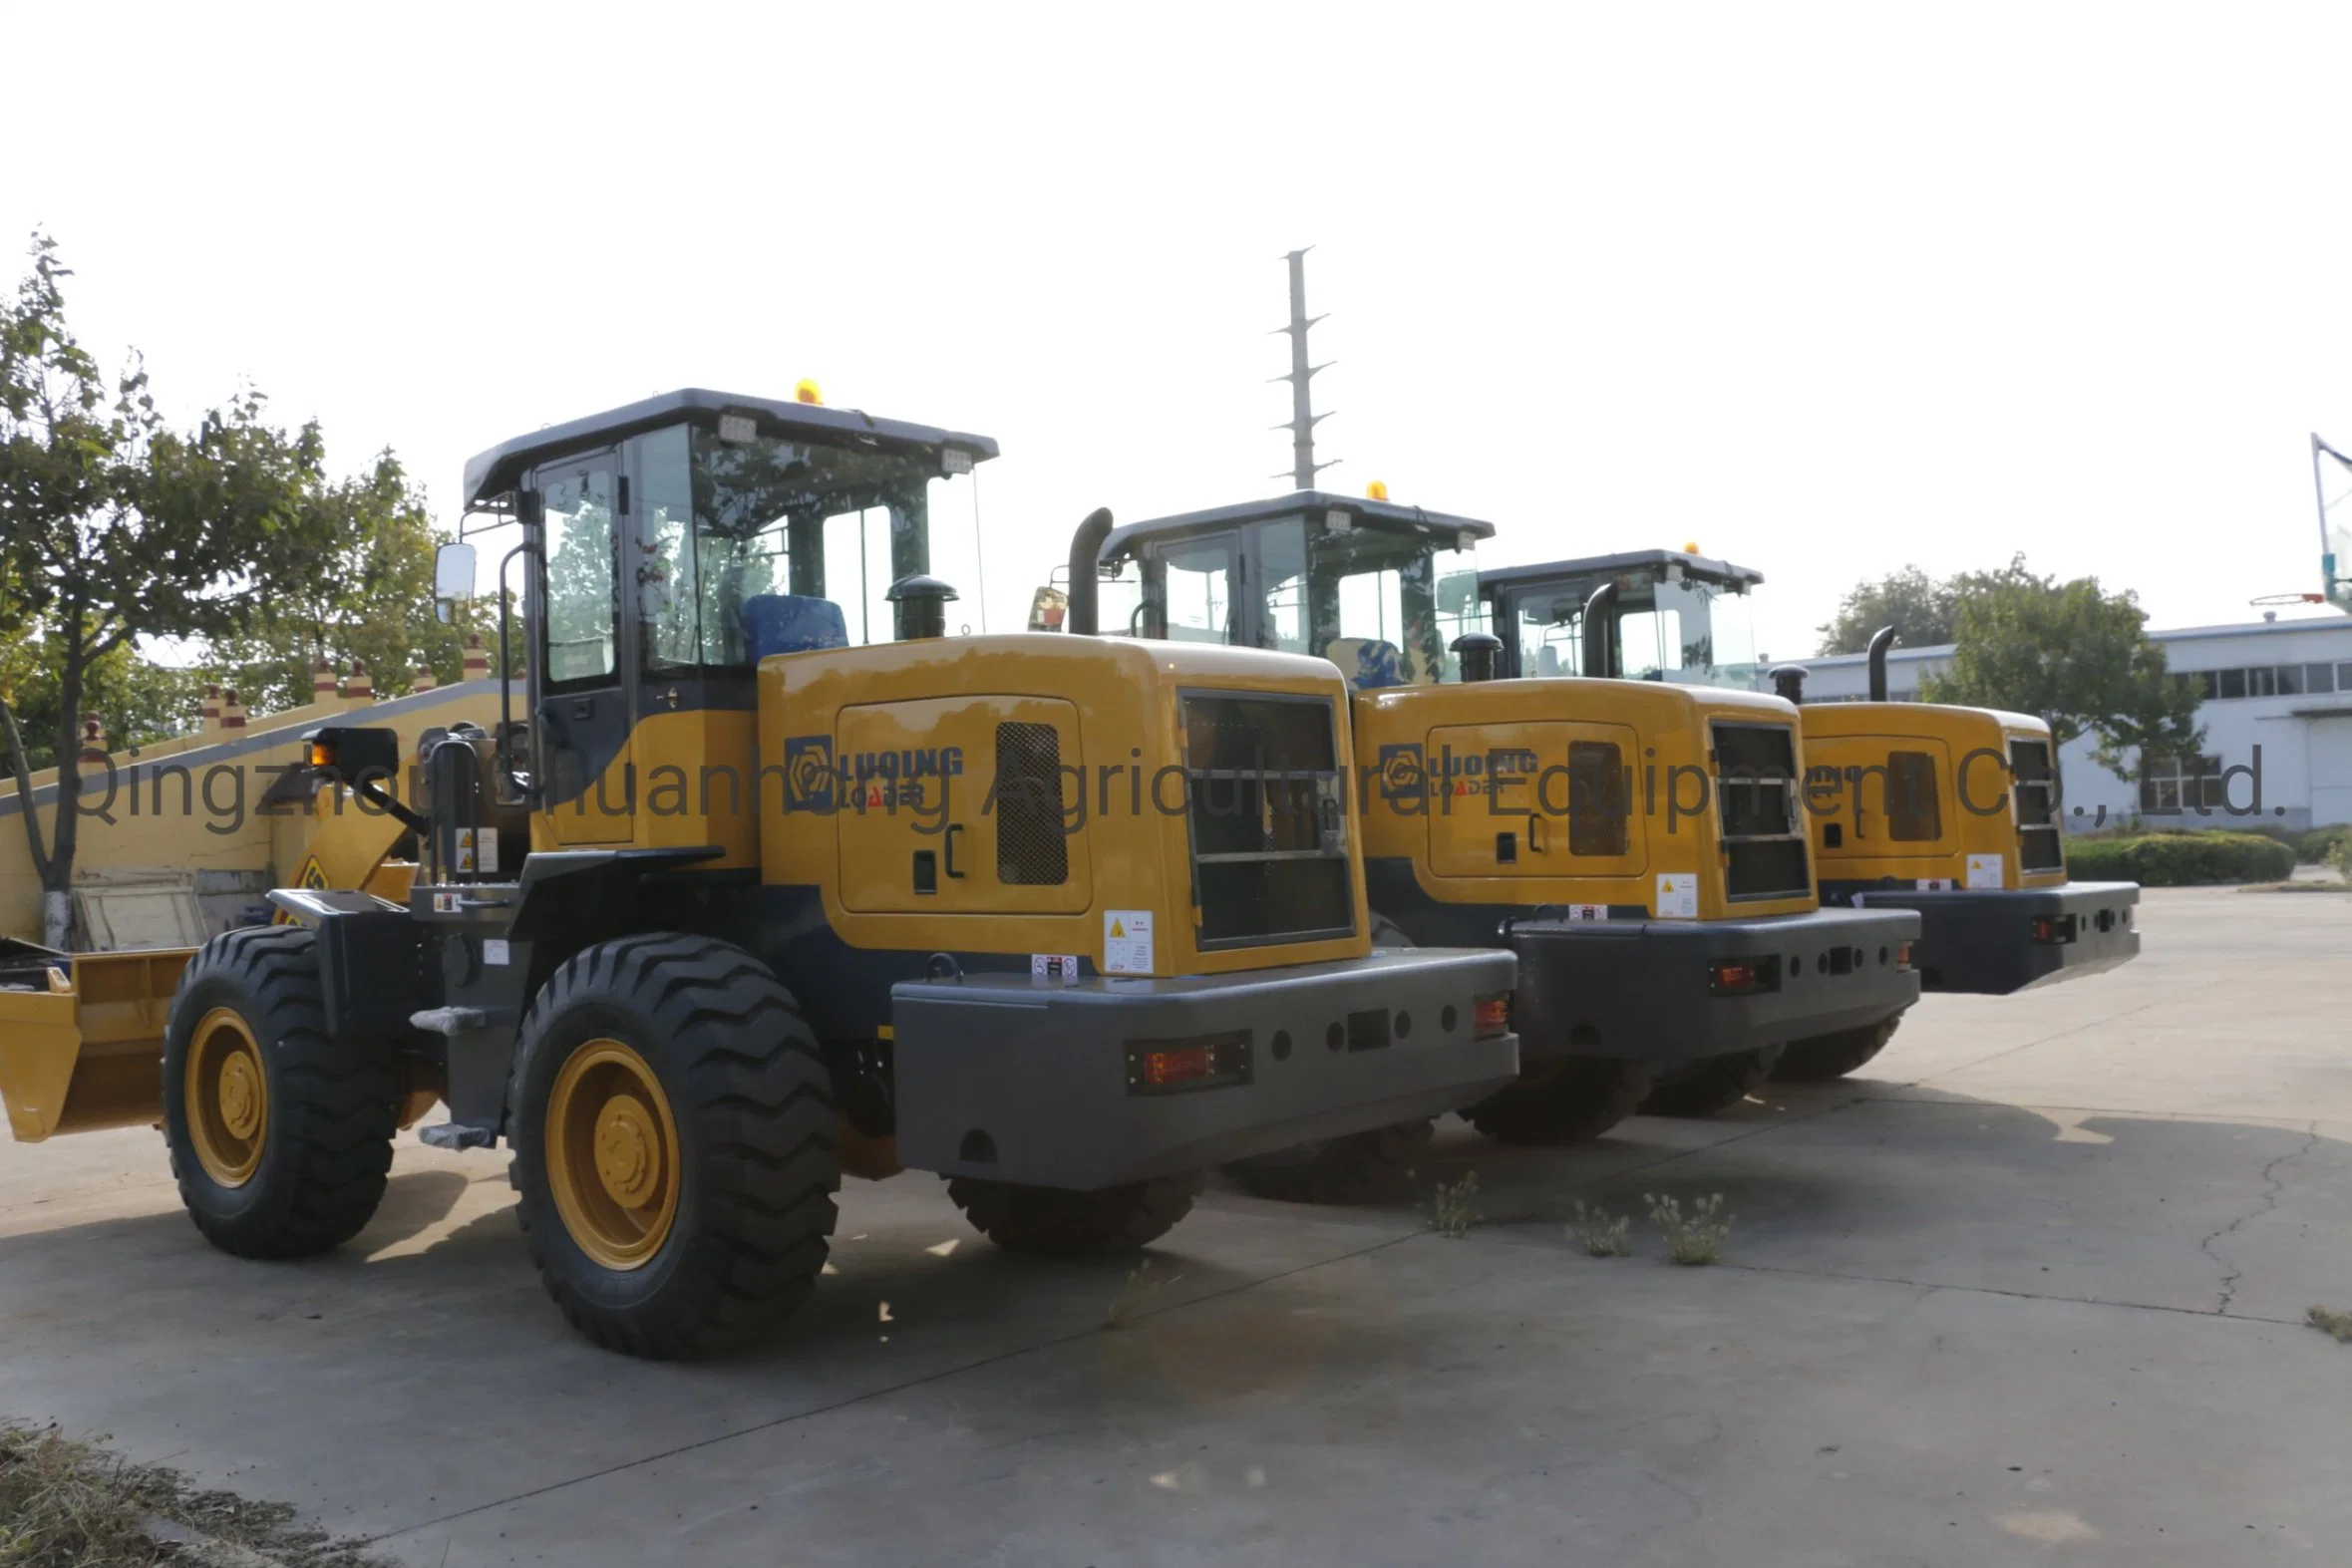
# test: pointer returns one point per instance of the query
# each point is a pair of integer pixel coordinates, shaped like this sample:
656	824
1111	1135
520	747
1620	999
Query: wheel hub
613	1155
240	1104
226	1097
625	1142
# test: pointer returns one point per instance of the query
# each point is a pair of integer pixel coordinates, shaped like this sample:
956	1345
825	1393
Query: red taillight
2054	928
1184	1064
1491	1015
1902	955
1733	977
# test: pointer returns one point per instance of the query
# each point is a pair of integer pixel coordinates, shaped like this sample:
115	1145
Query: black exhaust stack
1085	551
922	607
1479	653
1880	640
1601	627
1787	683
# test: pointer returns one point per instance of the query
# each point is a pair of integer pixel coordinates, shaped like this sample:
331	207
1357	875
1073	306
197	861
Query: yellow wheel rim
613	1155
226	1092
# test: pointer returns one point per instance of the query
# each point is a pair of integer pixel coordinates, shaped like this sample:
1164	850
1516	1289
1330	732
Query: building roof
494	472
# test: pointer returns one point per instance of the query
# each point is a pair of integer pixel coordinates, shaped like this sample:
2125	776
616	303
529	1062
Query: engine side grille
1756	806
1031	850
1266	812
2036	791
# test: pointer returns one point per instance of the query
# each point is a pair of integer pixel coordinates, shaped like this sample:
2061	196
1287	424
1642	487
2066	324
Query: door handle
953	829
1536	842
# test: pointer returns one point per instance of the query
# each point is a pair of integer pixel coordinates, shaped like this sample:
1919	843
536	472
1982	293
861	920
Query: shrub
2181	860
2322	846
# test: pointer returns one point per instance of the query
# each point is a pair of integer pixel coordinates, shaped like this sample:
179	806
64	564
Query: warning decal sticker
1126	941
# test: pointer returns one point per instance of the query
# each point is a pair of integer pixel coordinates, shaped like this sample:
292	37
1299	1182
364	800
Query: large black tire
738	1090
1052	1222
1710	1085
281	1139
1565	1099
1336	1170
1825	1057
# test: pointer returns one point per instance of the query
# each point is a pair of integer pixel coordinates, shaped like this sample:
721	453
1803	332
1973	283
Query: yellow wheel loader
1635	845
1948	811
81	1033
742	901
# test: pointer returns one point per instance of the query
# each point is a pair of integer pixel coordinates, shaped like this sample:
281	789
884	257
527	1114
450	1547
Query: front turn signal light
1491	1015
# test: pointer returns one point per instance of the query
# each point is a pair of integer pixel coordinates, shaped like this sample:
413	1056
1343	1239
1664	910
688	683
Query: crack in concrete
2015	1295
2273	1187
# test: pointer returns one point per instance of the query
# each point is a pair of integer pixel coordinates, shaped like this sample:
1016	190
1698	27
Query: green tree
368	598
114	528
1922	606
135	700
2073	653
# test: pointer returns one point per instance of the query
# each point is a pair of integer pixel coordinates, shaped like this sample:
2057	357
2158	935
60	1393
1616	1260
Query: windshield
1688	633
1384	604
1375	597
723	522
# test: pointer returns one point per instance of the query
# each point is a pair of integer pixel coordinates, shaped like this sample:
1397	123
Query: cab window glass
1282	569
578	517
1650	643
1199	591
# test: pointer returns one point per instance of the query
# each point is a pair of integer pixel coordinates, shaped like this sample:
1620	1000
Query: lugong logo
1403	776
808	773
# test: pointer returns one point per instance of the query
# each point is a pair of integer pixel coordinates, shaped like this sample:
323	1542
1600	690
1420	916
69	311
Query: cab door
1538	800
580	716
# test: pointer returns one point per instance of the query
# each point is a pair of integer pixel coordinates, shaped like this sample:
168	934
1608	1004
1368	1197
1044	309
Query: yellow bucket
86	1050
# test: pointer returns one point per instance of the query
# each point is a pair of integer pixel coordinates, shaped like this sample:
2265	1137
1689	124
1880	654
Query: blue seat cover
791	623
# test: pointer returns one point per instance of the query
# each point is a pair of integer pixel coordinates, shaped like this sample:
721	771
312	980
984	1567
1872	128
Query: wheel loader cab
1678	617
668	547
1635	843
1947	811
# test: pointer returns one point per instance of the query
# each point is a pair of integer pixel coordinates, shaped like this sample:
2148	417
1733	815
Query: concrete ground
2029	1288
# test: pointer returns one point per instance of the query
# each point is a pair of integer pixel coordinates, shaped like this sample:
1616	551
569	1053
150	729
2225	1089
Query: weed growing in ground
1451	1210
2335	1324
1135	1299
1600	1235
1696	1237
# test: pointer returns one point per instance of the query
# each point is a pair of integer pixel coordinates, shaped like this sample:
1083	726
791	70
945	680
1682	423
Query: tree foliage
368	598
115	526
1922	606
2072	653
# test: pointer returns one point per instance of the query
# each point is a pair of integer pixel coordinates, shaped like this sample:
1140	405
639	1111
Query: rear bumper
1047	1085
1994	941
1643	989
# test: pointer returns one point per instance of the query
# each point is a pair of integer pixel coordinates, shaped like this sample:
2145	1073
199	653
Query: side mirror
453	580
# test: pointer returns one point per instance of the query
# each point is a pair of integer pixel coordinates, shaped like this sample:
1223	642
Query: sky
1826	290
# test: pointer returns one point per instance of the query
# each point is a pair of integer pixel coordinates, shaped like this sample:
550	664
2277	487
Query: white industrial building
2280	688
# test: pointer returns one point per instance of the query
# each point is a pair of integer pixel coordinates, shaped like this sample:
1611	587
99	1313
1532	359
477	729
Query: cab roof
496	472
1390	514
1648	564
